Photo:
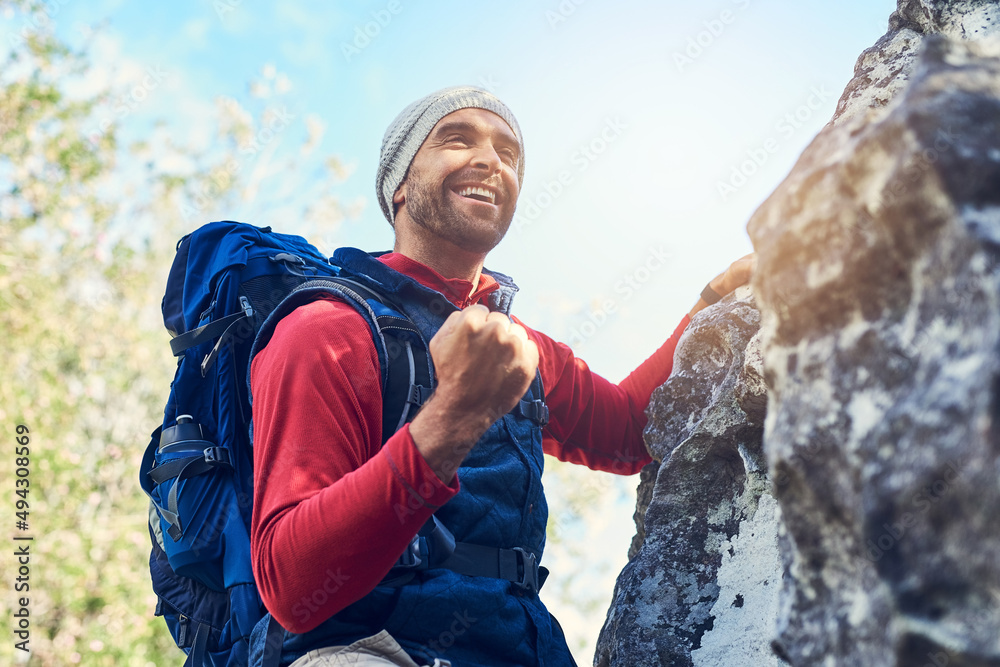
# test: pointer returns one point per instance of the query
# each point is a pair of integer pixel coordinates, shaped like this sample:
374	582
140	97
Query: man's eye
509	156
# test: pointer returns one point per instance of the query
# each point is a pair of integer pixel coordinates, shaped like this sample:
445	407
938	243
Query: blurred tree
87	231
88	225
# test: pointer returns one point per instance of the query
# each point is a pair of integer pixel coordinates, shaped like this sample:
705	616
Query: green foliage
87	232
88	225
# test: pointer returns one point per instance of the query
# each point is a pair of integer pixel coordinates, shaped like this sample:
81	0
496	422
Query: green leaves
87	233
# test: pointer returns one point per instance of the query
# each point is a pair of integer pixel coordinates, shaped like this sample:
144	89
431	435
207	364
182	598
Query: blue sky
653	129
637	115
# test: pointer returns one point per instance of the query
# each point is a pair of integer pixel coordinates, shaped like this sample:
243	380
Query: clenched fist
484	364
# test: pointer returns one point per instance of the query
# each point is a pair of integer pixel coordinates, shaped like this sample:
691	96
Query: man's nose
486	157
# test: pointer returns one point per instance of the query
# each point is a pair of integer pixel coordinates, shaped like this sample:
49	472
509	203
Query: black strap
203	334
418	395
435	546
197	655
709	295
214	456
515	565
222	329
536	409
181	469
209	359
409	382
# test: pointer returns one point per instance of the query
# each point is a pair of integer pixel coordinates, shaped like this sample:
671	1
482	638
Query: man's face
462	184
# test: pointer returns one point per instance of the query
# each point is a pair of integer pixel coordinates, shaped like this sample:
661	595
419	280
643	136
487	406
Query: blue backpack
226	279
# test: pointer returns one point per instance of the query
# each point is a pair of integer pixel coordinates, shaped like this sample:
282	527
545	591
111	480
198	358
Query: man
334	508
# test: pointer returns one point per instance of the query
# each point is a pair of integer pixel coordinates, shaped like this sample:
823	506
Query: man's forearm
444	437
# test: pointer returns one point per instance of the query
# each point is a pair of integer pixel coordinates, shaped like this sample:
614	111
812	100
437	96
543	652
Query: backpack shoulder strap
406	371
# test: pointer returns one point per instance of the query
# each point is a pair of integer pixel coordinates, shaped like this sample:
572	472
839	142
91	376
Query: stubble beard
429	208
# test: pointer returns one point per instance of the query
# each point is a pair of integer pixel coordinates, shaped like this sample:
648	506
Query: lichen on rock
883	374
861	527
705	519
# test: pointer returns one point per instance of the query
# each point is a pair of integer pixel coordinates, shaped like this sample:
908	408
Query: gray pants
375	651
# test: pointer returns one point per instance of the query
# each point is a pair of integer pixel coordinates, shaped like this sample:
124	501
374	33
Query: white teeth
483	192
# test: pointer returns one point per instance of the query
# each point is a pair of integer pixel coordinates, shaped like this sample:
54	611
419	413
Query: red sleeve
593	422
333	509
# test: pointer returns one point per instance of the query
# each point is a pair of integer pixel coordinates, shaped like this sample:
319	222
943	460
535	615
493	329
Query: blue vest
442	614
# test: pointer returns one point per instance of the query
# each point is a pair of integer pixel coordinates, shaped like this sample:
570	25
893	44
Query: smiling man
421	546
461	189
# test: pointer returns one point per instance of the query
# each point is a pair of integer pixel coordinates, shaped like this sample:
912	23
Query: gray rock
884	69
879	287
704	569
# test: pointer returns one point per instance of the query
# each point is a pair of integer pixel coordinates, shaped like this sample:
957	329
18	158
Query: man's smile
481	193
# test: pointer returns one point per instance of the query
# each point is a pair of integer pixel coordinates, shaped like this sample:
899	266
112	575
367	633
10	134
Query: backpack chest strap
435	547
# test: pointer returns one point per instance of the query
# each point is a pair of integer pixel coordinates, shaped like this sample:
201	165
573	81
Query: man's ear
399	196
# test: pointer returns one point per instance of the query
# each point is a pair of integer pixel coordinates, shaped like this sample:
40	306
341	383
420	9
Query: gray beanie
407	133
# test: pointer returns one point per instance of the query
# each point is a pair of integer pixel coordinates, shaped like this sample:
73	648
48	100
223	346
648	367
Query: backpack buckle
537	411
217	456
528	566
410	559
418	394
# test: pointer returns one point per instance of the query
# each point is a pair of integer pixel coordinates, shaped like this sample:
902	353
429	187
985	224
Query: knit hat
408	131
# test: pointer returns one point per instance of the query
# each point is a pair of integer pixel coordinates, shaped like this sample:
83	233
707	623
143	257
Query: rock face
704	568
871	535
885	69
879	284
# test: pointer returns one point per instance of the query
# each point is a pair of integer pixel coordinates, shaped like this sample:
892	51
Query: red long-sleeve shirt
333	508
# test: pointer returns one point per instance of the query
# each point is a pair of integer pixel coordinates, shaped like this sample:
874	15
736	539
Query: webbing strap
209	359
536	410
215	456
434	547
221	328
196	657
515	565
405	414
202	334
181	469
